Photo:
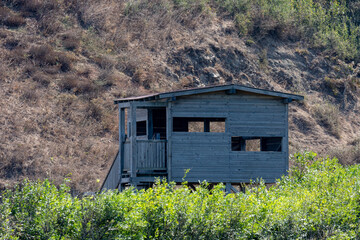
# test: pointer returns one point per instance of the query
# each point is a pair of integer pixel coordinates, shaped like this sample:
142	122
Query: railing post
133	147
169	128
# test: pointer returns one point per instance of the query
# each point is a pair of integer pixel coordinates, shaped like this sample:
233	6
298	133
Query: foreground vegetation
318	200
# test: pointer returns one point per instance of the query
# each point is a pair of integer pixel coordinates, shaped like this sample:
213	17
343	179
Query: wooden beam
140	104
285	140
234	189
124	105
192	186
121	142
133	147
231	91
231	87
169	129
150	124
287	100
206	125
268	92
125	180
227	188
194	91
137	180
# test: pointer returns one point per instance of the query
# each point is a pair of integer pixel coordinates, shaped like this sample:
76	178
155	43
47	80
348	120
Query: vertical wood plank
228	188
150	129
285	141
169	128
133	146
158	155
121	143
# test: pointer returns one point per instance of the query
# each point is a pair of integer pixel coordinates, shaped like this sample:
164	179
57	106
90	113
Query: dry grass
64	62
71	40
43	79
348	154
43	55
11	19
327	115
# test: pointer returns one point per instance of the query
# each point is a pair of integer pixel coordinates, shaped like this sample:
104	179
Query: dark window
141	128
256	144
271	144
184	124
158	116
237	144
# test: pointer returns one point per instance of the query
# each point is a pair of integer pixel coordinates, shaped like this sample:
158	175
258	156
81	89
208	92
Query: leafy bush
318	200
331	25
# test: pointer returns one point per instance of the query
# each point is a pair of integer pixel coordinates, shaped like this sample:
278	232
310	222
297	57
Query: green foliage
332	25
319	199
329	25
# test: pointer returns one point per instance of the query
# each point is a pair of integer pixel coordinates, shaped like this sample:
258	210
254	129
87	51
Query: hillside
64	62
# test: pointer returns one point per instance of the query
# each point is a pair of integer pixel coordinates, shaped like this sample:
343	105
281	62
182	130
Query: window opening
271	144
252	145
158	128
256	144
195	126
217	126
185	124
141	128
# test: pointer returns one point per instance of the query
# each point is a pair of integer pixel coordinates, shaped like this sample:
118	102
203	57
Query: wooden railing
112	179
151	155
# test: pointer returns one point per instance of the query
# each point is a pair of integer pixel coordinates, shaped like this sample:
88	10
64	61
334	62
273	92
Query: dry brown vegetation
63	62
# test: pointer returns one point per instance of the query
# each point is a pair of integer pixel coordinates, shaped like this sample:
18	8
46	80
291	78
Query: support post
169	128
133	147
233	188
207	125
150	124
285	140
227	188
121	143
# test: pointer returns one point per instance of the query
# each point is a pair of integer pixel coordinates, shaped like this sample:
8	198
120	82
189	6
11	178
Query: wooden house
229	133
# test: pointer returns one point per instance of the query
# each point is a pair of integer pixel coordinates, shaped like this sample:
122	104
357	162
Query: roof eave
291	97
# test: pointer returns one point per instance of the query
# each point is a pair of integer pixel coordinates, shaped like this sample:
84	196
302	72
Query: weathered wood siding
127	156
151	154
113	177
209	155
205	154
254	165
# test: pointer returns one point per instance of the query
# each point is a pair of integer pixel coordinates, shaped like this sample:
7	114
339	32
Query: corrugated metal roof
194	91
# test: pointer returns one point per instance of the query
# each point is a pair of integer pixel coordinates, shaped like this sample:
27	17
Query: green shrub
332	25
318	200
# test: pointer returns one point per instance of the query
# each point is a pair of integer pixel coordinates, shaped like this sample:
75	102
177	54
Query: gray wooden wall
209	156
